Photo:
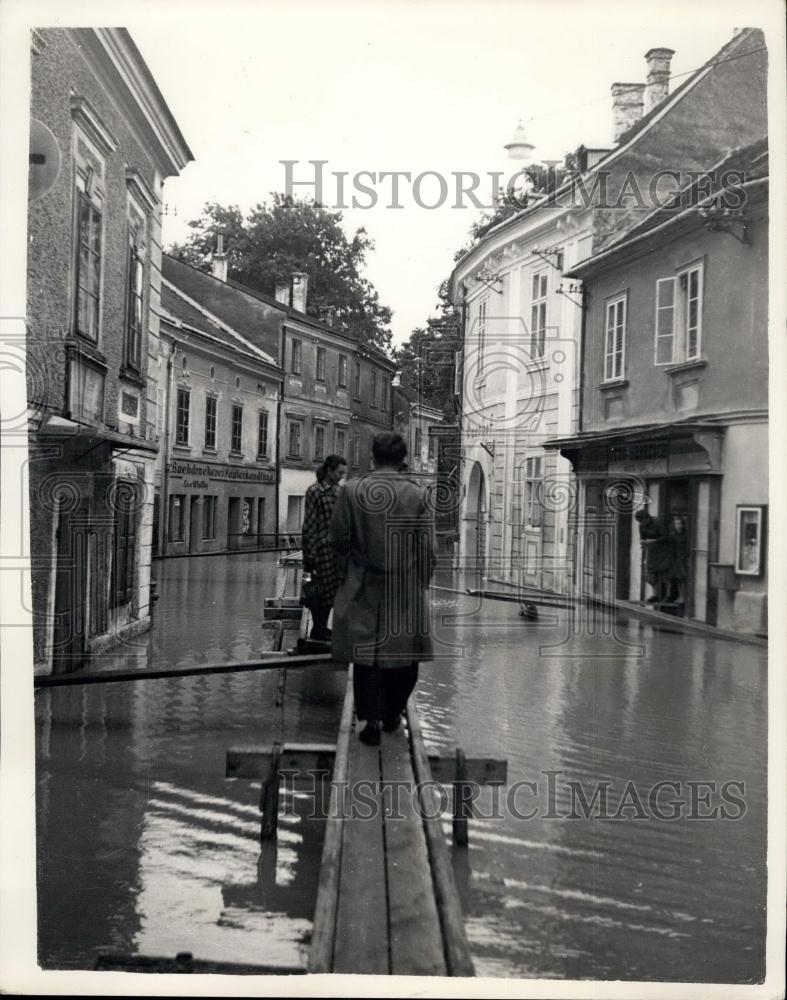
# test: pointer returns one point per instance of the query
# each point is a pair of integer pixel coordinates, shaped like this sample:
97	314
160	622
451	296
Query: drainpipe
277	461
584	298
165	473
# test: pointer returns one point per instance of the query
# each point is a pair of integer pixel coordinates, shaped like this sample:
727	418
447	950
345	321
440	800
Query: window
177	504
538	315
236	443
373	389
356	449
320	372
183	413
319	443
533	492
135	293
88	263
294	439
342	371
295	365
679	317
384	395
211	406
340	439
432	448
209	517
262	433
418	444
357	388
614	339
124	562
481	333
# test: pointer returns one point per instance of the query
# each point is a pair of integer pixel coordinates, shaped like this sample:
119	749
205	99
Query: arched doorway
475	521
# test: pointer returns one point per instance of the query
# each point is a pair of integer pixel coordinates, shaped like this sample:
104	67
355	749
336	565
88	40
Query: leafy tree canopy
286	235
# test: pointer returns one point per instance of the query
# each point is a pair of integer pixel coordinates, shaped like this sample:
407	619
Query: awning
61	427
647	449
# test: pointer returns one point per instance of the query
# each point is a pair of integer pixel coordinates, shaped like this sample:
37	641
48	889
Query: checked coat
319	558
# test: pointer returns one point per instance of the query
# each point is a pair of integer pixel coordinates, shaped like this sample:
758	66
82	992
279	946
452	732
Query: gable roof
190	314
729	116
748	164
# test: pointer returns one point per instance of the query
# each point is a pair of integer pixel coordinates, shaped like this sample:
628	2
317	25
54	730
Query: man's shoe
391	725
370	734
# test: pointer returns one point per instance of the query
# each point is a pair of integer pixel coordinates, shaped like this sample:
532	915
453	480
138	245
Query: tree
427	358
543	180
286	235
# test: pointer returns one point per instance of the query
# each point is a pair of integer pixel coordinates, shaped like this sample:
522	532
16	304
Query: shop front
216	507
676	475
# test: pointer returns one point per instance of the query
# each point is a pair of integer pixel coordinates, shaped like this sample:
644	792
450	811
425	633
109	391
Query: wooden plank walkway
386	903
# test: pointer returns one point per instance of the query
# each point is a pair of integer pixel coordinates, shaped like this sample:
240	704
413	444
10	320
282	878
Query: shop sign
199	474
643	458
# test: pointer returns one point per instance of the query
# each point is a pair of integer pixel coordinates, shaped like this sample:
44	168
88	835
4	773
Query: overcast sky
399	86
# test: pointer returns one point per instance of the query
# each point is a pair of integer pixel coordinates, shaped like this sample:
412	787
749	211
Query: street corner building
94	289
614	352
675	398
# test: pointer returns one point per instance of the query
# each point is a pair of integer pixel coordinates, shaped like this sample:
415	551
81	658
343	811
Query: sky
392	85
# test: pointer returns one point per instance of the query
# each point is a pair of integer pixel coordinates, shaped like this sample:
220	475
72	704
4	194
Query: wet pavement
145	848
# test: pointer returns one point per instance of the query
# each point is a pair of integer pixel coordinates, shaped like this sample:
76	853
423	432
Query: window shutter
665	321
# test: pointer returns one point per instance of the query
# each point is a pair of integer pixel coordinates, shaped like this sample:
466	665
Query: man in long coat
382	531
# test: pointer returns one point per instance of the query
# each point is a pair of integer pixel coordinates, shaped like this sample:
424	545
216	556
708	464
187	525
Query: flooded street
145	848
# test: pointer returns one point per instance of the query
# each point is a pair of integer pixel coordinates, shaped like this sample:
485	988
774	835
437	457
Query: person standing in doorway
679	561
382	528
322	574
657	554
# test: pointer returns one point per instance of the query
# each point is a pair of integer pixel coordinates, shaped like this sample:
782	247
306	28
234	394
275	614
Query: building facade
675	404
93	338
418	424
216	482
520	367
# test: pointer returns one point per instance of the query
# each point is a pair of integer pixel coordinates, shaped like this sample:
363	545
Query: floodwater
145	848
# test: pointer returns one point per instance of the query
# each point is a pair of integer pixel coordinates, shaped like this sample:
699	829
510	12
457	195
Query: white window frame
538	313
531	499
482	308
680	316
612	351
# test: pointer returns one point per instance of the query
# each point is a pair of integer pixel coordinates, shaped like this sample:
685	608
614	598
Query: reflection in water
146	848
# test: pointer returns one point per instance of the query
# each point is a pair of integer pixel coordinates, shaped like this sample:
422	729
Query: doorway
69	643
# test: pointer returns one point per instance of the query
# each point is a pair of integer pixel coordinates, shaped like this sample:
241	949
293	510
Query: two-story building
417	422
519	369
93	337
217	469
675	397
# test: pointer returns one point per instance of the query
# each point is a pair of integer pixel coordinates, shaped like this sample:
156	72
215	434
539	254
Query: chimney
283	293
658	76
300	285
327	314
218	263
627	101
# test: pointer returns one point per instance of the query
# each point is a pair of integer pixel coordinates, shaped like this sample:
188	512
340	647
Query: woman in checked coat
319	560
382	531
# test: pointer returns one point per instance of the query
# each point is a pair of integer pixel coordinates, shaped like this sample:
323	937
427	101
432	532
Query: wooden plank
297	759
324	929
415	933
362	919
209	669
478	770
455	946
